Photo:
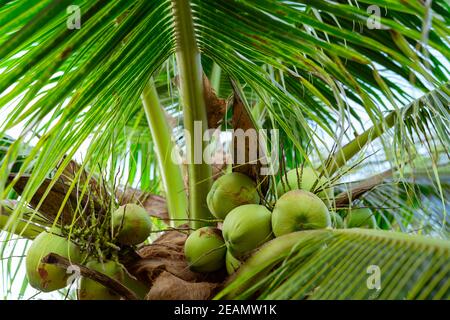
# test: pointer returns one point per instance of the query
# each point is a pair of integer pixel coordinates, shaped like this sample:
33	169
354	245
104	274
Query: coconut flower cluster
247	224
130	225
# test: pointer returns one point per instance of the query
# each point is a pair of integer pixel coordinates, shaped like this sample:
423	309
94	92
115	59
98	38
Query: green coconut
336	220
231	263
205	250
299	210
139	288
230	191
361	218
92	290
132	224
46	277
308	177
246	228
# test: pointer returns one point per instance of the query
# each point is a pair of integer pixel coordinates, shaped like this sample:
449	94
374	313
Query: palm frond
105	100
345	264
275	34
313	69
413	203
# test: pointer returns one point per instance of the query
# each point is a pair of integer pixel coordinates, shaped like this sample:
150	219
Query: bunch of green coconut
127	226
235	200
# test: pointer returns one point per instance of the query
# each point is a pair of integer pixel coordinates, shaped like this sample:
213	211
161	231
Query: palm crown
359	90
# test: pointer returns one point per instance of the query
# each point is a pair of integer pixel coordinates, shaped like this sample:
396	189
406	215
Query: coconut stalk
340	157
194	110
215	78
99	277
170	171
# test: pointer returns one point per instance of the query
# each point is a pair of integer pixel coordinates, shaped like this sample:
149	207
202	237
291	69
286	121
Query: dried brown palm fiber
220	162
242	119
52	203
155	205
215	106
166	256
169	287
96	194
74	170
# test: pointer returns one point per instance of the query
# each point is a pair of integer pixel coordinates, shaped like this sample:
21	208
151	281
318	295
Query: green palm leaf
313	69
339	264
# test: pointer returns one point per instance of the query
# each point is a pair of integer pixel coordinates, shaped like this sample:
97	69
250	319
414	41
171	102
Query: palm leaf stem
194	110
163	145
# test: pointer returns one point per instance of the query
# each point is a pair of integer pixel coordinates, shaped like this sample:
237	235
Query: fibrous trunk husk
164	268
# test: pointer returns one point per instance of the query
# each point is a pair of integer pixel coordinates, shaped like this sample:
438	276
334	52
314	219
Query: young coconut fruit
231	263
132	224
46	277
361	218
139	288
336	220
246	228
205	250
92	290
308	177
230	191
299	210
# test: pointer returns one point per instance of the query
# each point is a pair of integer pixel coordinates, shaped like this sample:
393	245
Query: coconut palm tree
95	95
